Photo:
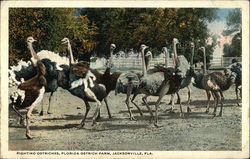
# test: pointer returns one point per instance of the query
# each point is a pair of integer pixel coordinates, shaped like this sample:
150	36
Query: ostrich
215	83
236	68
128	83
74	72
106	78
25	71
188	78
31	91
152	85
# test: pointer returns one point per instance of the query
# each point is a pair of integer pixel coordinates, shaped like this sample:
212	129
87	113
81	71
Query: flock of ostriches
46	71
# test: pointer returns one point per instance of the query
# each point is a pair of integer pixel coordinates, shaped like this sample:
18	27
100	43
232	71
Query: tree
48	26
234	29
155	27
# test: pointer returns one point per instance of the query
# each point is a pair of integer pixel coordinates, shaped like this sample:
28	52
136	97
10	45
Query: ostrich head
143	47
202	49
65	41
192	45
112	47
30	40
175	41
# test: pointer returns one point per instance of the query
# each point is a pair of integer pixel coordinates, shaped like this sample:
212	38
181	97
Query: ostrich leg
208	100
163	92
222	101
129	91
86	113
28	128
41	112
50	97
181	113
132	101
217	98
189	95
144	99
106	103
28	117
98	105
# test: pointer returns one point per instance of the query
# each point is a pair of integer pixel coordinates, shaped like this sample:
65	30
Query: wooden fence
137	64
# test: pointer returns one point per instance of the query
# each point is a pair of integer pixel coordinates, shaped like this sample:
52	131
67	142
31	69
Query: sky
216	27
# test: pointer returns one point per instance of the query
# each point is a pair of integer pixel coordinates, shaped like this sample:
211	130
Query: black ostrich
74	72
215	83
236	67
30	92
52	62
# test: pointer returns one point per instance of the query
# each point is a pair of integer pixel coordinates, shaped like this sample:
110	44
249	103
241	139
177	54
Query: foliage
156	27
49	26
234	28
92	30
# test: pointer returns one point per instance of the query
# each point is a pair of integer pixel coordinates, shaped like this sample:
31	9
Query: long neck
71	58
34	57
110	58
143	63
192	57
175	60
166	57
204	62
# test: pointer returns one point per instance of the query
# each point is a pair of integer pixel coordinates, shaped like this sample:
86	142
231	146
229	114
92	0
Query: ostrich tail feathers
54	57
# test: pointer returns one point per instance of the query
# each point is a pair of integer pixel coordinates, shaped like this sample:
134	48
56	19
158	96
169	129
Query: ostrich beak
64	41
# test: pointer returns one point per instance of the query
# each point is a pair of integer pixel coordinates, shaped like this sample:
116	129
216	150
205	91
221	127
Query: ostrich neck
166	57
192	57
204	61
34	57
110	58
175	60
143	63
71	58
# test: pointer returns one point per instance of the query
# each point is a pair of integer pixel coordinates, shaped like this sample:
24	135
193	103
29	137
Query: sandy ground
194	132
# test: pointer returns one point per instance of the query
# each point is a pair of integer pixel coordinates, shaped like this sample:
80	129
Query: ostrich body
25	71
149	83
33	88
215	83
188	77
74	72
128	84
237	68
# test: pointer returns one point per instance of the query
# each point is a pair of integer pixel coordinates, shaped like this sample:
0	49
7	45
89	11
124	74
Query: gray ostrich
30	92
74	72
128	83
215	83
152	85
188	78
237	68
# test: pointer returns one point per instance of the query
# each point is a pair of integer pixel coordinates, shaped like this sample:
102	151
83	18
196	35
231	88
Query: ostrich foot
188	110
41	113
220	114
157	125
29	136
213	115
170	103
182	115
132	118
48	112
21	122
207	111
110	117
80	126
93	123
238	104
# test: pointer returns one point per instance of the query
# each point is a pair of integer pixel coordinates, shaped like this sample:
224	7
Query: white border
244	5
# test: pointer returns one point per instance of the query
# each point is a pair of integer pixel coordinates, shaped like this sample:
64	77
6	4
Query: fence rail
137	62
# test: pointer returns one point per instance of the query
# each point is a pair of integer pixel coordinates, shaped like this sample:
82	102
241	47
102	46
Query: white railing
137	64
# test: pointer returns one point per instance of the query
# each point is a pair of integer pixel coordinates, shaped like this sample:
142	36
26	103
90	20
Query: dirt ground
198	131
